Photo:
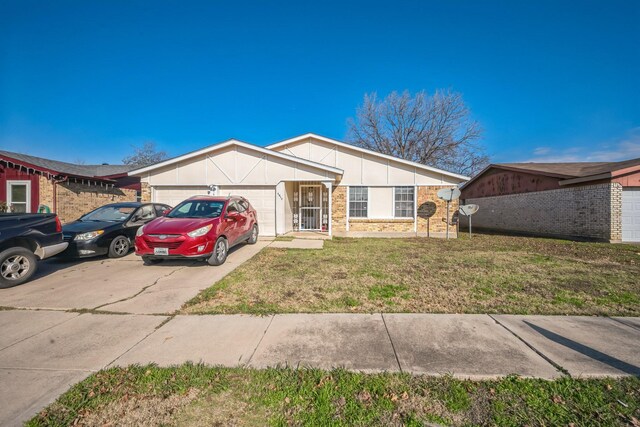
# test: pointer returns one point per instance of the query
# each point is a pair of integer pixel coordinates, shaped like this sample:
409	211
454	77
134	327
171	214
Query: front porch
307	209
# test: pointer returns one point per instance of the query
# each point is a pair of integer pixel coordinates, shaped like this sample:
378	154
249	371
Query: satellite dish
468	210
449	194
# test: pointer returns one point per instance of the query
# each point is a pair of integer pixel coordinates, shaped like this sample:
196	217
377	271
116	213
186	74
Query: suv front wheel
220	249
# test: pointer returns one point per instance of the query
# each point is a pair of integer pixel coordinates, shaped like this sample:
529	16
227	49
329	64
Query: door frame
19	182
318	208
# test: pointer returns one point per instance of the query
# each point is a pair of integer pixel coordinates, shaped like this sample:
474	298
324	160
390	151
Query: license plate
160	251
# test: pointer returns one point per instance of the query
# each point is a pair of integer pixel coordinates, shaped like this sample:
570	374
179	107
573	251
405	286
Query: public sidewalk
44	352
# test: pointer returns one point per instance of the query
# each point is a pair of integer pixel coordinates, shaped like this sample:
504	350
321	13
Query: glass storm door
310	207
19	196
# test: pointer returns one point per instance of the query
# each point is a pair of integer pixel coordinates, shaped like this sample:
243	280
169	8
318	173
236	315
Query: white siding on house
380	202
233	166
363	168
174	195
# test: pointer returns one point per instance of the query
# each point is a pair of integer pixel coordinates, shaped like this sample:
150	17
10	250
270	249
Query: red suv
201	227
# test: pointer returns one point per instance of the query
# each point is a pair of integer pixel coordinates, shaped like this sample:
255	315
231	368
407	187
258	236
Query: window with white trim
403	202
358	200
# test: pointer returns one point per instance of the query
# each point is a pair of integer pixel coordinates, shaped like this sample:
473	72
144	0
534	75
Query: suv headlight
140	231
88	235
200	231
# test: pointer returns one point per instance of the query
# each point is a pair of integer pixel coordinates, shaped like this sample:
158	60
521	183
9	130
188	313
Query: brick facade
431	219
381	225
432	212
591	211
45	192
339	209
75	199
145	192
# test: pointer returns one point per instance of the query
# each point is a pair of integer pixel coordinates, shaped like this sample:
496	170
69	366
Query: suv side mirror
165	212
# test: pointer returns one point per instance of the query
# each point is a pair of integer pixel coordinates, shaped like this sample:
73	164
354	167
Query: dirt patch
132	411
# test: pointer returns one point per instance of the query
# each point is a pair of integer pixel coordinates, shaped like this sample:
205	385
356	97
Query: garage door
631	214
174	195
263	199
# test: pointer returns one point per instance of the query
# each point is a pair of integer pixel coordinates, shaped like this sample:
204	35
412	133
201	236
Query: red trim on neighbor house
10	174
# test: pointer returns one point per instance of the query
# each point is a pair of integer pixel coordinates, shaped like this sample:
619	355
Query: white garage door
174	195
263	199
631	214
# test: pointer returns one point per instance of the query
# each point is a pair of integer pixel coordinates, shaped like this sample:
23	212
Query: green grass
487	274
197	395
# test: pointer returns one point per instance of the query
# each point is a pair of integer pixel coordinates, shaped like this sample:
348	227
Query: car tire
150	261
17	265
220	251
253	238
119	247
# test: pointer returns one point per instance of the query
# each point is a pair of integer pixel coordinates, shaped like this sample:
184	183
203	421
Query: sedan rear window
197	209
109	213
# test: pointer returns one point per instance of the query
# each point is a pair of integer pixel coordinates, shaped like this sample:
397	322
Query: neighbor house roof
569	172
64	168
364	150
235	142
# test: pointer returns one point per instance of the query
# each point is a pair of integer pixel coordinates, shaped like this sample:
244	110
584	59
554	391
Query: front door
19	196
310	207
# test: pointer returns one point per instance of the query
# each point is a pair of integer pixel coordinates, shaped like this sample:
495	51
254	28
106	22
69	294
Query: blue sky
83	80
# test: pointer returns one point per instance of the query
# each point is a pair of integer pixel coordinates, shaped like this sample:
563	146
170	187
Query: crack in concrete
259	342
143	289
393	347
164	322
556	365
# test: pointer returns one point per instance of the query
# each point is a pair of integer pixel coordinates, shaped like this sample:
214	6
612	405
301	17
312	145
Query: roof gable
283	144
230	143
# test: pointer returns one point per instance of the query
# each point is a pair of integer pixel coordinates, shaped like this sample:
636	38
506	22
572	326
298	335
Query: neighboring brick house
594	200
27	182
312	183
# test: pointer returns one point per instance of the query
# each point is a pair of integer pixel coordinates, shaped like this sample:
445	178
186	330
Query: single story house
27	182
592	200
311	183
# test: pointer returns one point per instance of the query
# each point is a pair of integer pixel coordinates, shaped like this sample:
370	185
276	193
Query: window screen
358	199
403	202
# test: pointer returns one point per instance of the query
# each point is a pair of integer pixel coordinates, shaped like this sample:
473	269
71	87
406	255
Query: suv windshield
197	209
109	213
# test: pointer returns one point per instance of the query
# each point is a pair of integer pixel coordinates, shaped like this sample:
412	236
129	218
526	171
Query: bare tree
144	155
436	130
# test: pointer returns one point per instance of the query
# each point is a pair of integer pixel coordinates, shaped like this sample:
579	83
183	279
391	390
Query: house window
403	202
358	200
19	196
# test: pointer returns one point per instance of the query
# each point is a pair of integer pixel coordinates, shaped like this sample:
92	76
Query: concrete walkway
43	352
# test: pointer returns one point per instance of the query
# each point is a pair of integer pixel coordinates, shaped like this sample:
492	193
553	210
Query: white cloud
625	148
541	151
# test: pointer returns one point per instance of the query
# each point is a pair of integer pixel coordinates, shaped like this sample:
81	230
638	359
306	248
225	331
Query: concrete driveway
48	344
121	285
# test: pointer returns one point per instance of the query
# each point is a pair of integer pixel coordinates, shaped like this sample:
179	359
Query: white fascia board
364	150
239	144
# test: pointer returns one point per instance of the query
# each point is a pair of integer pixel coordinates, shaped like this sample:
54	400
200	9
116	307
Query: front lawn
487	274
197	395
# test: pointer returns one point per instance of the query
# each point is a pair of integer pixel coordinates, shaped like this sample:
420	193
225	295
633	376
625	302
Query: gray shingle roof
572	169
64	168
